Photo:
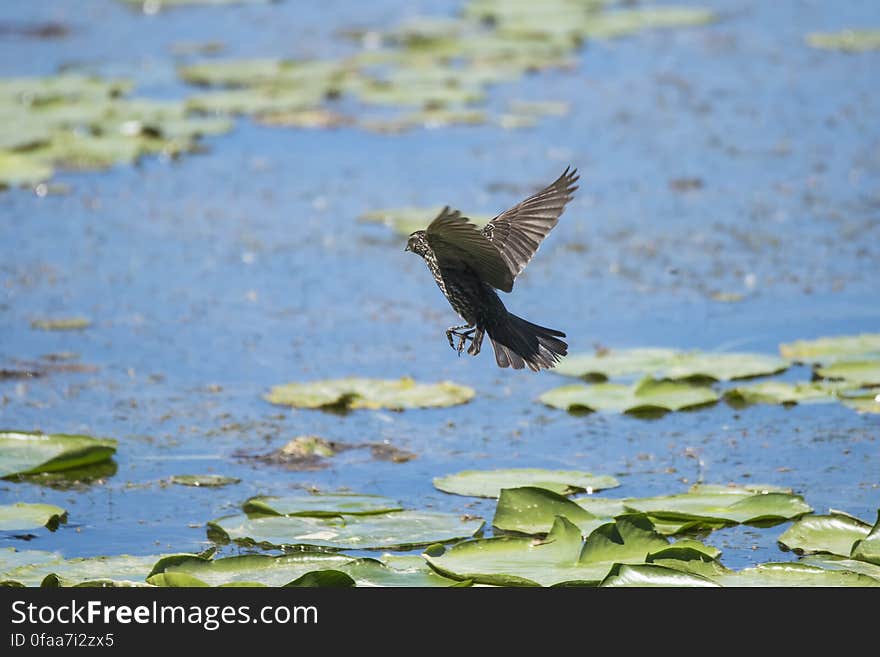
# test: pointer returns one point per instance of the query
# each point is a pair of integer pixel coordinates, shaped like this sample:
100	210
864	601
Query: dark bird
469	264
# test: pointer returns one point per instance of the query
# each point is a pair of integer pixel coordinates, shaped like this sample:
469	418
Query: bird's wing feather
518	232
457	242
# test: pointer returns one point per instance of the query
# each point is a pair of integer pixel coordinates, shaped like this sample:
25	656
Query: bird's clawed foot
463	337
476	342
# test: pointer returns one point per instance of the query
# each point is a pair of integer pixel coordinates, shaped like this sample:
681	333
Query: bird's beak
407	248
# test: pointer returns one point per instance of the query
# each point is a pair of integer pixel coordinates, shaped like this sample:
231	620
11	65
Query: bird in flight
469	264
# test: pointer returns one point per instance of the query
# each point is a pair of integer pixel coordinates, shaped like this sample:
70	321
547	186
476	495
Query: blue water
246	267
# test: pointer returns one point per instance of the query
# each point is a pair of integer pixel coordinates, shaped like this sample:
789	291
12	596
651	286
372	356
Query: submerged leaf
206	480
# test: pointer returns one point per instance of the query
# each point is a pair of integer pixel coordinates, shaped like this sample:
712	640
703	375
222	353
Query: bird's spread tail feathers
519	343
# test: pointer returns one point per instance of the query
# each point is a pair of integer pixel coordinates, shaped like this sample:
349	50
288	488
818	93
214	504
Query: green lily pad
830	349
563	558
62	324
835	533
613	363
488	483
868	548
648	396
206	480
24	452
353	393
304	118
256	100
153	6
846	40
670	364
645	575
399	530
835	562
121	570
857	372
266	570
531	510
408	220
22	516
782	392
794	574
862	401
321	505
616	24
20	170
706	507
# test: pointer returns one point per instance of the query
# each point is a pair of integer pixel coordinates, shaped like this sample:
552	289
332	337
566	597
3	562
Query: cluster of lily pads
845	369
81	122
433	71
542	536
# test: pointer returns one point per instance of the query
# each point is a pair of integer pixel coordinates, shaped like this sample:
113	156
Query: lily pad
266	570
612	363
256	100
846	40
862	401
12	559
670	364
857	372
835	533
530	510
22	516
24	452
794	574
203	480
834	562
408	220
488	483
616	24
399	530
343	394
646	575
707	507
563	558
320	505
62	324
868	548
121	570
17	170
782	392
830	349
648	396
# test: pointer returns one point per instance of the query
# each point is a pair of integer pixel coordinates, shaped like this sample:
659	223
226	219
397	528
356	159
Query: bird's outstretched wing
518	232
458	243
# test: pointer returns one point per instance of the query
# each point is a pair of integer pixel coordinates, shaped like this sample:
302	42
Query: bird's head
417	243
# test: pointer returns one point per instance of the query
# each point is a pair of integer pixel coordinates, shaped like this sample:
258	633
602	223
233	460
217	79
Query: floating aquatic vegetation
489	483
320	505
782	392
563	558
62	324
24	452
23	516
836	533
404	221
829	349
71	121
856	372
119	570
862	401
266	570
647	397
203	480
670	364
399	530
352	393
846	40
532	510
